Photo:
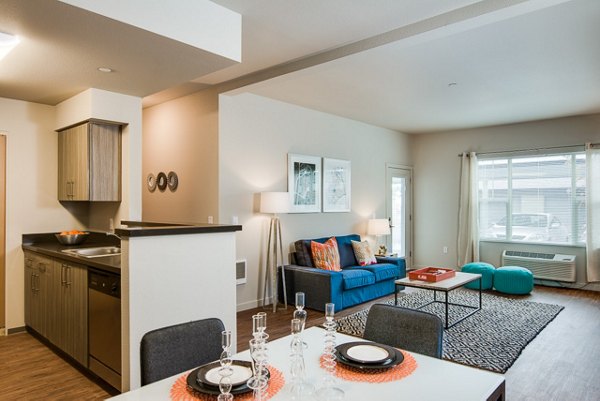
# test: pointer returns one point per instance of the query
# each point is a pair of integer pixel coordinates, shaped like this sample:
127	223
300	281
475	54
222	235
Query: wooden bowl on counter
72	239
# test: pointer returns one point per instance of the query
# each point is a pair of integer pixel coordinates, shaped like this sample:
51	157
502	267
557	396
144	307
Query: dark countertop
47	244
148	228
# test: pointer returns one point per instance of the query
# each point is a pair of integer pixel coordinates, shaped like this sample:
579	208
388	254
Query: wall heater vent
240	271
544	266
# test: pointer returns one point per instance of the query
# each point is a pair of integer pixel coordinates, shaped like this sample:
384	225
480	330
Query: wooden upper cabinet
89	162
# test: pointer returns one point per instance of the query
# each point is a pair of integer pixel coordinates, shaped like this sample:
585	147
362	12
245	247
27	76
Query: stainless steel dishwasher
104	320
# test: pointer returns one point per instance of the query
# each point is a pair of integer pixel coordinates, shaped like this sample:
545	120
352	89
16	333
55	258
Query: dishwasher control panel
106	283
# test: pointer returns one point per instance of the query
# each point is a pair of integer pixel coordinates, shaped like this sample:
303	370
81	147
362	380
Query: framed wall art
304	183
337	189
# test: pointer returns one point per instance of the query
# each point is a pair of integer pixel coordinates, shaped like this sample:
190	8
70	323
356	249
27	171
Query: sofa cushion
381	271
326	256
301	256
363	253
353	278
347	258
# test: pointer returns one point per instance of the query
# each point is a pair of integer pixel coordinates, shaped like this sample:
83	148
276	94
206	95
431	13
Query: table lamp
274	203
379	227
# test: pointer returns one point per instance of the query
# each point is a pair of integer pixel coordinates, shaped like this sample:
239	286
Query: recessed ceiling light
105	69
7	43
452	84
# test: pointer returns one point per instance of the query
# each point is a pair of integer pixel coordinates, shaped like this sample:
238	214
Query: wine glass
258	382
225	371
329	391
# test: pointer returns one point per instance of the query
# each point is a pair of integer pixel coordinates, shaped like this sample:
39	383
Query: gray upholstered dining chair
409	329
174	349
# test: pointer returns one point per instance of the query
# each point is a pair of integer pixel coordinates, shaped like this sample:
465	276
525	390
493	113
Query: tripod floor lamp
274	203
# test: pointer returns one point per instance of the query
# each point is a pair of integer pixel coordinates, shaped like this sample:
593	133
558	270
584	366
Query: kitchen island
169	274
172	274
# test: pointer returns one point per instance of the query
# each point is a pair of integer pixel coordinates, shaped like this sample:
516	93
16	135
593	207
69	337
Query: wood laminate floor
560	364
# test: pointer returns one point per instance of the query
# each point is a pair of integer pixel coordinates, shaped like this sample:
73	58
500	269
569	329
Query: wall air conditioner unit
240	271
544	266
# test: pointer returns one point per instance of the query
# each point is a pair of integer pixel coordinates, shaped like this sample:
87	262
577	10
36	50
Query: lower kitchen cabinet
39	299
70	297
56	303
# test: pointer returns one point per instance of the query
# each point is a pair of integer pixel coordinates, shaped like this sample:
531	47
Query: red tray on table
431	274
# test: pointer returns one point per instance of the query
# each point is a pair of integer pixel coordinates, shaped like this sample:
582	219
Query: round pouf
487	275
513	280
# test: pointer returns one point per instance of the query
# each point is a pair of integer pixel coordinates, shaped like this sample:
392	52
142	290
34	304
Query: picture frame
304	183
337	185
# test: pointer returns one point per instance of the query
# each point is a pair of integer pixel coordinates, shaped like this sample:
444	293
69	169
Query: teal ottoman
487	275
513	280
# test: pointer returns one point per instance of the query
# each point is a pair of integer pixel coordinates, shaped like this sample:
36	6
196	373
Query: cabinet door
45	305
73	311
73	164
105	162
29	289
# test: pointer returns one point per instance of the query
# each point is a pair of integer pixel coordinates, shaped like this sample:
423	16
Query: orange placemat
180	391
376	375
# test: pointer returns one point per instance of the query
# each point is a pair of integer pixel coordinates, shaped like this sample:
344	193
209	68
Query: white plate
240	375
367	353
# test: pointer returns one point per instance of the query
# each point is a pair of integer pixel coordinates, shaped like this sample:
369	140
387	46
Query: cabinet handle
62	274
31	282
67	275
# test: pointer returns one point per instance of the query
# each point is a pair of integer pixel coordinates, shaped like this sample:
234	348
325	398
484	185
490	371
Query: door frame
3	166
409	208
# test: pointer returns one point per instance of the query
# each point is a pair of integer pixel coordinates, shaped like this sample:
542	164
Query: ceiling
409	65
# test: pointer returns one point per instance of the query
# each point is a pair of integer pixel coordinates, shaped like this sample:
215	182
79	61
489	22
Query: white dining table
433	379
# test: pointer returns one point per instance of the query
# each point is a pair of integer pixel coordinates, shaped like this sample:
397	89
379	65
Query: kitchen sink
95	252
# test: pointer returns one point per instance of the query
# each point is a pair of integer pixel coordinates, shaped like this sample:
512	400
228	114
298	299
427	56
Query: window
533	198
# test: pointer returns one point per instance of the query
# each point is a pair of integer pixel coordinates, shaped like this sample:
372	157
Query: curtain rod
534	149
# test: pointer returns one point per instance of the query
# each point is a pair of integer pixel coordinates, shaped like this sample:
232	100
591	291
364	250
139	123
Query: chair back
175	349
409	329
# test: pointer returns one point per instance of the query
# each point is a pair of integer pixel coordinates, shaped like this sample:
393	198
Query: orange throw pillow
326	256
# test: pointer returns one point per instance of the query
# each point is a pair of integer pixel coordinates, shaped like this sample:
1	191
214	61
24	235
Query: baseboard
16	330
253	304
574	286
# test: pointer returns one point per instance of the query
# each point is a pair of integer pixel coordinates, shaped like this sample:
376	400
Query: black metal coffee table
444	286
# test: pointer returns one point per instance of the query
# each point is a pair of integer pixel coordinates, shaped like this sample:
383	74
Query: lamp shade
378	227
274	202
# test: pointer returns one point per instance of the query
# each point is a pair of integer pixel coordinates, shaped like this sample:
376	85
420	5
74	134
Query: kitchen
33	205
113	287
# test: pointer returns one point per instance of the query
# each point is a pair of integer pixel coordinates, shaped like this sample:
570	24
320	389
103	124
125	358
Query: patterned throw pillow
326	256
364	253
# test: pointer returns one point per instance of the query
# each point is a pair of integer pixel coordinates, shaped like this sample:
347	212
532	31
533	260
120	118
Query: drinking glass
262	325
329	312
300	313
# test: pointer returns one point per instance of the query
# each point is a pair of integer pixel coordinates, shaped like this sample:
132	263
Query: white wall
31	190
182	135
437	170
255	136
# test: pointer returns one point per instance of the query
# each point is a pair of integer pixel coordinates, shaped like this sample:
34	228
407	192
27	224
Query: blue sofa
353	285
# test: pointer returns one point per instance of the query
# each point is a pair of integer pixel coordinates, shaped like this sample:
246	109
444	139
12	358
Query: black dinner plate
194	380
395	360
344	349
203	371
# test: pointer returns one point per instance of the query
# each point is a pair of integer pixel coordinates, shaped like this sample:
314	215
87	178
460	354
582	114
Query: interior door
2	230
399	210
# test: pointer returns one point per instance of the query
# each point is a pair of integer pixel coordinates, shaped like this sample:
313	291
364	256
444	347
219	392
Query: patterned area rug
491	339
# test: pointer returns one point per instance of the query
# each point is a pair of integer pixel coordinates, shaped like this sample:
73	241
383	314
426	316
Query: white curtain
592	159
468	211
